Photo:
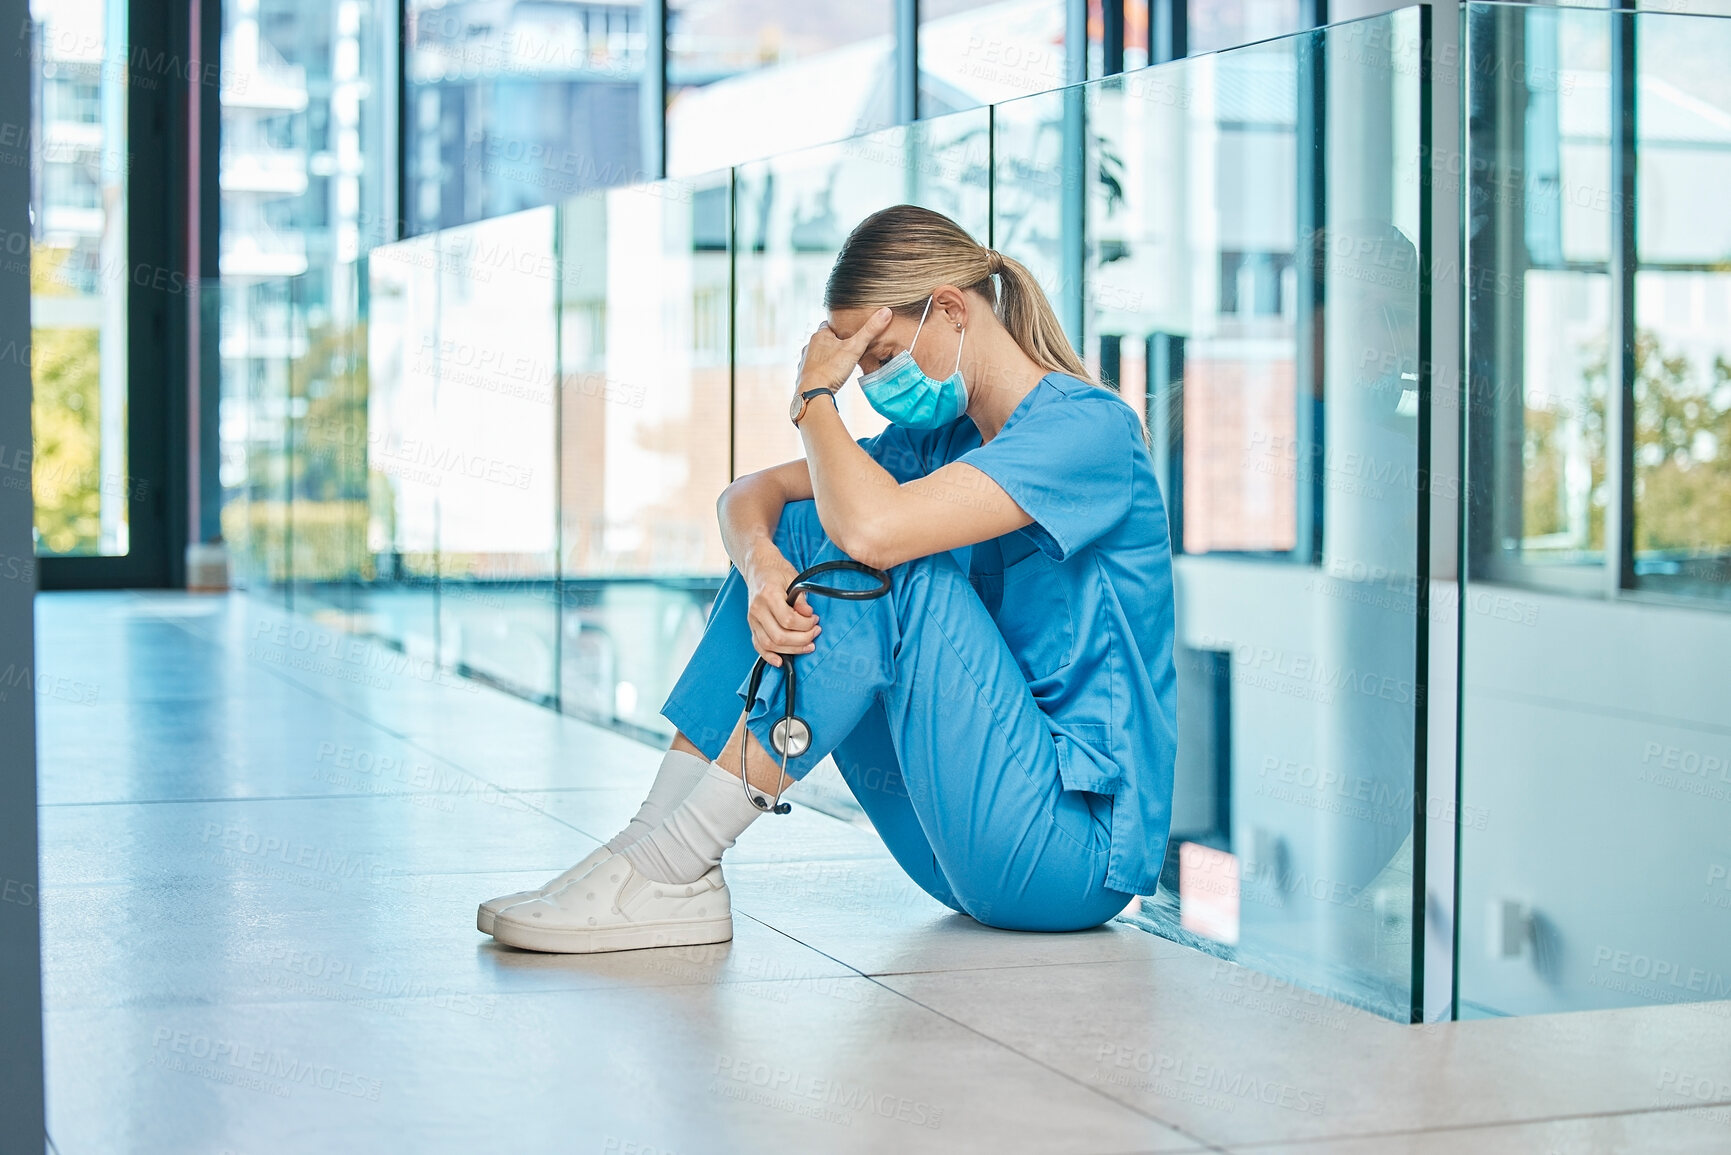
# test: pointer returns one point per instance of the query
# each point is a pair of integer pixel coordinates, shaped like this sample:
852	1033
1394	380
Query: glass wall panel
303	194
328	412
794	211
975	52
1214	270
747	80
1595	799
643	322
259	347
491	456
512	105
400	603
79	160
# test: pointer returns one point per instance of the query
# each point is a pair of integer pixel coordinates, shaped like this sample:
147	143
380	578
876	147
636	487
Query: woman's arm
875	520
748	511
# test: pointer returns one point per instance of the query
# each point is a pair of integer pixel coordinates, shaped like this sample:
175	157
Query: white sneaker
490	909
614	907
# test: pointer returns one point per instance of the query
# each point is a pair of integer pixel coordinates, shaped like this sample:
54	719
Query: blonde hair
898	255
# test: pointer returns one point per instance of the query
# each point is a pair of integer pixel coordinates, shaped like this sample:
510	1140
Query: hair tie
994	261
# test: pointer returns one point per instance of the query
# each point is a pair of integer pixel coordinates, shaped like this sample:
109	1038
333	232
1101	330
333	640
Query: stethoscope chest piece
791	737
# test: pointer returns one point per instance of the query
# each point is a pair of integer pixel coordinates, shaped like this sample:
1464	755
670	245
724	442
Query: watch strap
806	397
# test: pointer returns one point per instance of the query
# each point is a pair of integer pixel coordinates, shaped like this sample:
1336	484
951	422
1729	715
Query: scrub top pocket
1035	616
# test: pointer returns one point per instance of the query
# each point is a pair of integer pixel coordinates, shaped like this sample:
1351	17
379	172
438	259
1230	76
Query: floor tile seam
969	969
1481	1125
172	879
162	879
207	800
344	707
609	985
411	740
806	945
1199	1142
220	642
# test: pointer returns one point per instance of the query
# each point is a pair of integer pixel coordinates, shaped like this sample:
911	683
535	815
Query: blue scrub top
1083	596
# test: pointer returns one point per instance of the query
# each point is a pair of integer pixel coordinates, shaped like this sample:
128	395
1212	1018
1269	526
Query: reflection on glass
744	81
1563	484
255	519
78	286
490	453
794	213
1216	24
402	501
328	400
1205	277
1591	720
517	104
644	452
303	197
1682	435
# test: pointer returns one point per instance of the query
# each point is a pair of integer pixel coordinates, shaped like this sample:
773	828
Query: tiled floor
260	865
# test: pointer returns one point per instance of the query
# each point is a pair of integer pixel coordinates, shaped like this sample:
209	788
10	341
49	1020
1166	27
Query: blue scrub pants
934	730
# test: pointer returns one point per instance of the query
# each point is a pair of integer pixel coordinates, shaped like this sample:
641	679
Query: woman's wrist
761	553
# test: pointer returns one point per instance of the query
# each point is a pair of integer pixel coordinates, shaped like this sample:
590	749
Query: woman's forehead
844	323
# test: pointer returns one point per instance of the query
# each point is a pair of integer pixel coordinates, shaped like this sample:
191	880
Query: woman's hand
827	361
776	627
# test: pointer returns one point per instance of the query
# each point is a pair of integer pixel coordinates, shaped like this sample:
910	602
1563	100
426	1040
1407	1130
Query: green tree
65	415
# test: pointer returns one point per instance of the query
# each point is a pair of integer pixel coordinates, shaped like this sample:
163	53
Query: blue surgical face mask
900	390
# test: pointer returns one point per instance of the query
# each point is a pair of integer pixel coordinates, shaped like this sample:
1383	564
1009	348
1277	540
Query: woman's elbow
868	544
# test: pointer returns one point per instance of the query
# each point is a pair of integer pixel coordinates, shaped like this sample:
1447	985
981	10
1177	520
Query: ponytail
898	255
1028	316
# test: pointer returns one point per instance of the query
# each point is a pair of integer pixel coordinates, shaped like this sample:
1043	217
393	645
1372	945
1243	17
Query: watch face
794	409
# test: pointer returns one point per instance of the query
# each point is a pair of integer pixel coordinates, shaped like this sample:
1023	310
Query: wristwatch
801	400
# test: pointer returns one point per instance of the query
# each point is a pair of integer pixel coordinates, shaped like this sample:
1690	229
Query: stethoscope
791	735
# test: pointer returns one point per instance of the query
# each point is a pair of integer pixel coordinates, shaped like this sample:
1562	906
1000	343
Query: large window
1598	511
305	191
515	104
78	282
1604	365
746	80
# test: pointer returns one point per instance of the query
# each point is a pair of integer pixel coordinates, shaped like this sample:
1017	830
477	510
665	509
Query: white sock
678	774
691	839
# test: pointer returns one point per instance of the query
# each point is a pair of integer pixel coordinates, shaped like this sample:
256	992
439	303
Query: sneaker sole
484	920
641	937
